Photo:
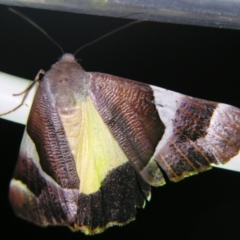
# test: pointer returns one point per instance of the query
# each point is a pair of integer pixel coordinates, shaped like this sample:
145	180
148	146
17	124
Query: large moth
159	189
95	144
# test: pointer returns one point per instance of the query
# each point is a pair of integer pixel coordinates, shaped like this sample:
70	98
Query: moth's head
67	81
68	57
66	63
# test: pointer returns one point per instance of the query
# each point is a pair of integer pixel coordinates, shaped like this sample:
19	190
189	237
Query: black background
198	61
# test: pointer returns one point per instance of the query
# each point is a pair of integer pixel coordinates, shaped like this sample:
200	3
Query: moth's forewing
71	170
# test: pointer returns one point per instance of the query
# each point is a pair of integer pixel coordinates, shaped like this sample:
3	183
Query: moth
95	144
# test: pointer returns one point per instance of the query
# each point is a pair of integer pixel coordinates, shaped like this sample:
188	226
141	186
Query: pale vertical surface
13	85
95	150
233	164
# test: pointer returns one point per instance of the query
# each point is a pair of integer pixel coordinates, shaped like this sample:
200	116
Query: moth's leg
25	92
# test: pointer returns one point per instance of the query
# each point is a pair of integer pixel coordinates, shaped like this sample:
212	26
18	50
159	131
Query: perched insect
95	143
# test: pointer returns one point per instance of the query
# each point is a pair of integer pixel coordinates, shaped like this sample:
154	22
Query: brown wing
128	109
47	186
184	135
198	134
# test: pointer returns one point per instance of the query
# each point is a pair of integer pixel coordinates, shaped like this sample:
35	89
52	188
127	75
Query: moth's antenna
36	26
108	34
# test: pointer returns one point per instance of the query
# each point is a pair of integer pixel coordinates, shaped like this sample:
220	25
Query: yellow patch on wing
95	150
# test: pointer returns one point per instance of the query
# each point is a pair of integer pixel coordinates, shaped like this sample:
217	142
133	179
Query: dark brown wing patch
201	133
128	109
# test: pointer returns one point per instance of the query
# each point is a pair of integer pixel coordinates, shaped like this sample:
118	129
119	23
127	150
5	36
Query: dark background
198	61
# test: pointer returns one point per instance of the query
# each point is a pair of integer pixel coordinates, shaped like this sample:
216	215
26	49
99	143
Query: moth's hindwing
198	133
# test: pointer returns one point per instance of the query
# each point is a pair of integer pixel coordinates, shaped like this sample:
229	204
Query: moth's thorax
68	84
